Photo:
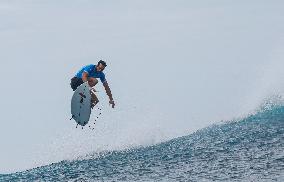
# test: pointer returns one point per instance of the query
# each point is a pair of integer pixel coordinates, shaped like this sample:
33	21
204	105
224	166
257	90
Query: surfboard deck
81	104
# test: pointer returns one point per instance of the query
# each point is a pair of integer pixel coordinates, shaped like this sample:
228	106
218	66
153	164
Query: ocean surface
248	149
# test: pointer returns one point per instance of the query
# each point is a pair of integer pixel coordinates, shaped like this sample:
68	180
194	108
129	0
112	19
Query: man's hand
112	103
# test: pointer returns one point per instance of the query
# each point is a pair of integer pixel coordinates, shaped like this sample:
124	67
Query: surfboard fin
72	117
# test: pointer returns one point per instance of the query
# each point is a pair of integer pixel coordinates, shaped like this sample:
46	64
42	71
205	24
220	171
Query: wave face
247	150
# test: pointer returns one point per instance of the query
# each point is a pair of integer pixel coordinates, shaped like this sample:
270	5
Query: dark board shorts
76	82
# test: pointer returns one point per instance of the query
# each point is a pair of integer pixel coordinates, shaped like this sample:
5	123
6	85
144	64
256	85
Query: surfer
90	73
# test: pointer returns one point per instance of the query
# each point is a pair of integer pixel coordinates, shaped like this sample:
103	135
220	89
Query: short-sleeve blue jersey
92	72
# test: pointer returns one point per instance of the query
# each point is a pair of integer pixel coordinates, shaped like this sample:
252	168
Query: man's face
100	67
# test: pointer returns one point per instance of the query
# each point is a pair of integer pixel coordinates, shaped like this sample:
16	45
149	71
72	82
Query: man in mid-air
89	74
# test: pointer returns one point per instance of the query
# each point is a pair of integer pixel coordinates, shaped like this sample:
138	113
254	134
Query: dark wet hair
102	62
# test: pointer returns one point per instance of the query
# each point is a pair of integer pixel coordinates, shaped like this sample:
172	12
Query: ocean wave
245	150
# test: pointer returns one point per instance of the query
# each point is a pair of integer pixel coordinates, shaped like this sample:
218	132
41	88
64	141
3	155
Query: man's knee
92	81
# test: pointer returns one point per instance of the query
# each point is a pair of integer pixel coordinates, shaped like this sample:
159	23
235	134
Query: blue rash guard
92	72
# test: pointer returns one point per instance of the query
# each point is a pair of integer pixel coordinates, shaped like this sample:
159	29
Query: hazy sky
174	67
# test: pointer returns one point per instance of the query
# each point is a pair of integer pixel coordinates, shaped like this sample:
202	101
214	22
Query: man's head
101	65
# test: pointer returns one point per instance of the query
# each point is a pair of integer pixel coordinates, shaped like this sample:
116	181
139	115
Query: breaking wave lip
228	141
269	104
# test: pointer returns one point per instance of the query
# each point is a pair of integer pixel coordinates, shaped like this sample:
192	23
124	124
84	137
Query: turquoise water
251	149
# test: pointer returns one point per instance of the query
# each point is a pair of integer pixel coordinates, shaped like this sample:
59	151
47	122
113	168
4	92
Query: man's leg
92	82
94	99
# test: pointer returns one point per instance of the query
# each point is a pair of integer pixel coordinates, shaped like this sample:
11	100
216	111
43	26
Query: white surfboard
81	104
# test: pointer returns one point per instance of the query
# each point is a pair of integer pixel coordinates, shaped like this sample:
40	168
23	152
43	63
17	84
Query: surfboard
81	104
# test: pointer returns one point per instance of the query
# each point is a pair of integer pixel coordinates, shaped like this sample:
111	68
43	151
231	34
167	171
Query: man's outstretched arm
108	92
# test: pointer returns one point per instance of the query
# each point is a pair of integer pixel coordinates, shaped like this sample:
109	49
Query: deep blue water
251	149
